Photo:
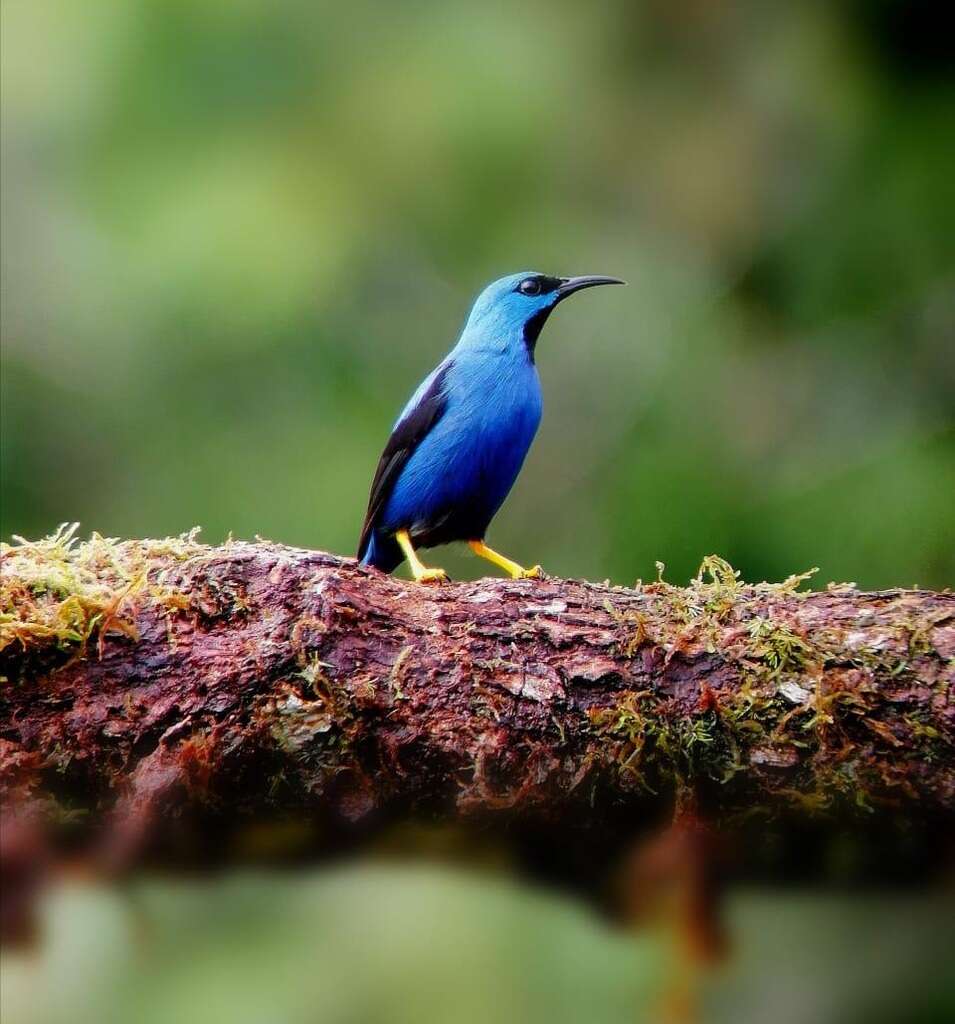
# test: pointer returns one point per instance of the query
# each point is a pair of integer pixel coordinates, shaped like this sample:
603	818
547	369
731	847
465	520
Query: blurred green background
236	234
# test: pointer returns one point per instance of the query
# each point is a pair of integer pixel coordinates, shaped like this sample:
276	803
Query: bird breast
494	409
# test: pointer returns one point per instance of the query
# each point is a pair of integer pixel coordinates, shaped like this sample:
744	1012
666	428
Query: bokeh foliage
236	233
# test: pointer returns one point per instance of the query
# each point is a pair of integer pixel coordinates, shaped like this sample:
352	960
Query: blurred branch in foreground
164	700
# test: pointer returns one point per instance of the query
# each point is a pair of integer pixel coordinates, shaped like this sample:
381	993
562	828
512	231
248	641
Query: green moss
779	648
653	747
627	731
51	595
58	594
695	615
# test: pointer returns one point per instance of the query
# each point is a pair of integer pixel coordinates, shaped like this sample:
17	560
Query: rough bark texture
165	694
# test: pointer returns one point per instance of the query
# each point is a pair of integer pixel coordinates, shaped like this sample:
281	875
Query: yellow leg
419	570
515	571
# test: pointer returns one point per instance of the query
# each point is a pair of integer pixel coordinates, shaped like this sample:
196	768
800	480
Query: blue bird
458	445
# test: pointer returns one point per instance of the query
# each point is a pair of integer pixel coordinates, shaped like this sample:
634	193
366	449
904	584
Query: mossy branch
207	690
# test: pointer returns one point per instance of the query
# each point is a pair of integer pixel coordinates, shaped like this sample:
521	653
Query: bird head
513	309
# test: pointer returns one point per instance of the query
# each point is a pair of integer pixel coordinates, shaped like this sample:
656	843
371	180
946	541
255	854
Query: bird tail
382	552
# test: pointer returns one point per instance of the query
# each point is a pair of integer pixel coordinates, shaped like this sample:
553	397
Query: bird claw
432	576
535	572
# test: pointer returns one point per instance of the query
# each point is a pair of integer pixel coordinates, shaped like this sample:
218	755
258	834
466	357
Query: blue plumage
460	442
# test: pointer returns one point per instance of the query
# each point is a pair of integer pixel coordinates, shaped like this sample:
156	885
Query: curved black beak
569	285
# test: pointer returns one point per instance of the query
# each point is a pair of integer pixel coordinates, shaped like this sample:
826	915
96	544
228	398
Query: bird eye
529	286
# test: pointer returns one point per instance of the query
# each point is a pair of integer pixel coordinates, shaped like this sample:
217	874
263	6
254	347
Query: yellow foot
514	569
421	572
425	575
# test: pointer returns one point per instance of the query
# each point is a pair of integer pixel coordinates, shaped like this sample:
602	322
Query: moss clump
695	616
630	729
654	748
779	648
58	594
52	594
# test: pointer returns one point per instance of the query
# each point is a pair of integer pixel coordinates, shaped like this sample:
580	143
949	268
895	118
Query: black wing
407	435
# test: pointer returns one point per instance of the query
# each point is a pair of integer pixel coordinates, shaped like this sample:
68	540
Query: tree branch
204	689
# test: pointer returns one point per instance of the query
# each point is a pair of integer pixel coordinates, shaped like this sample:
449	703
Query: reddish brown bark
223	687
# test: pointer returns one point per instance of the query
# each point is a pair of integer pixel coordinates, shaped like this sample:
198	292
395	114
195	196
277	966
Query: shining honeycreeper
458	445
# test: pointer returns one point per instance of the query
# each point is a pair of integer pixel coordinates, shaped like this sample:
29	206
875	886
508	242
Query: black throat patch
533	327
